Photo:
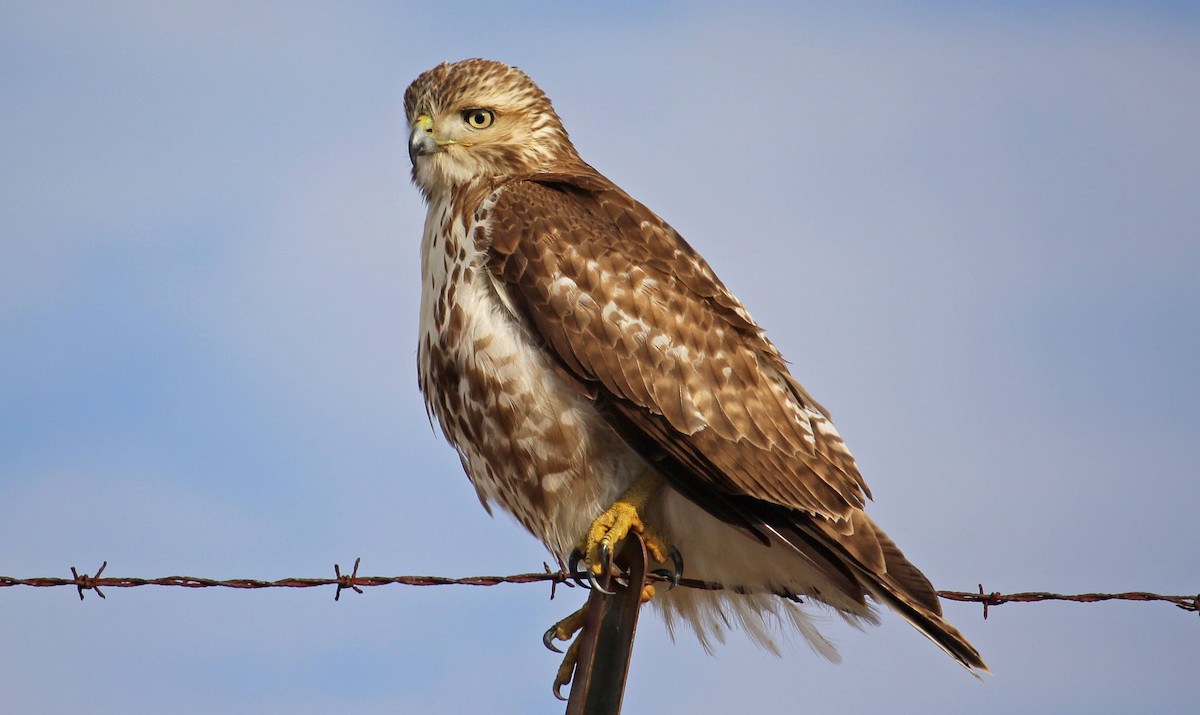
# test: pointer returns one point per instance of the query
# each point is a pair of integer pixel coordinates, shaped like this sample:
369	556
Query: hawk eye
479	118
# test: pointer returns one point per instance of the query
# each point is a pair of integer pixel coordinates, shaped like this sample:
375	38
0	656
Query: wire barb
561	576
345	582
83	581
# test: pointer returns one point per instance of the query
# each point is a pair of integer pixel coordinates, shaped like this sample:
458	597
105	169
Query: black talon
678	559
673	577
548	639
576	573
667	575
596	584
606	564
573	568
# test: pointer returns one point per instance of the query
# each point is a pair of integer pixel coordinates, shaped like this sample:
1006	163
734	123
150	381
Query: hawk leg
596	549
605	534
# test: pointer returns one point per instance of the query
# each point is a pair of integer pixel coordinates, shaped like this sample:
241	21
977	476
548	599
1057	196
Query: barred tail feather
894	581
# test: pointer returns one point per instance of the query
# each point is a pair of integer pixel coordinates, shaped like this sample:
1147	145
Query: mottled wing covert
634	314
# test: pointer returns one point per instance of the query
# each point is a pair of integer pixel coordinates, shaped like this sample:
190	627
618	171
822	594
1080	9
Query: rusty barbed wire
352	581
1187	603
84	582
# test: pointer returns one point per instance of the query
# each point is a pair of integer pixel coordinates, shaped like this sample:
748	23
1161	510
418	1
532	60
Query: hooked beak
421	140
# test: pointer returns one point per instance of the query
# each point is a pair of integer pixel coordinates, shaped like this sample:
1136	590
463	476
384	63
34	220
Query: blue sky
974	230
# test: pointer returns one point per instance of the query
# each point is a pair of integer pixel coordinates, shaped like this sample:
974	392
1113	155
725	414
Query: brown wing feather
634	315
630	309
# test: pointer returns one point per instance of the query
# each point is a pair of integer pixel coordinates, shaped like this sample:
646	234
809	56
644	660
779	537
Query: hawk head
479	119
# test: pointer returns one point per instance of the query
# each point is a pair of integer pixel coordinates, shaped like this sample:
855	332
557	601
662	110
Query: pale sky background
974	229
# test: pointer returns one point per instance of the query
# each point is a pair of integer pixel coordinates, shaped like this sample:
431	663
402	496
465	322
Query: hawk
595	376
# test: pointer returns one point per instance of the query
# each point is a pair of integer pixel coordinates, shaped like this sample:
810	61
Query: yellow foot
566	670
565	630
607	532
604	536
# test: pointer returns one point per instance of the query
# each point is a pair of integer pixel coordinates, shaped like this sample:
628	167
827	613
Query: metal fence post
610	623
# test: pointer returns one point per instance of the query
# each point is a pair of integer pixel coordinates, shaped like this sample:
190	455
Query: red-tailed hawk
584	360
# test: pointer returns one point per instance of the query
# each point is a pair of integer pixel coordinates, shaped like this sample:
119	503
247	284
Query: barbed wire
1187	603
353	581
